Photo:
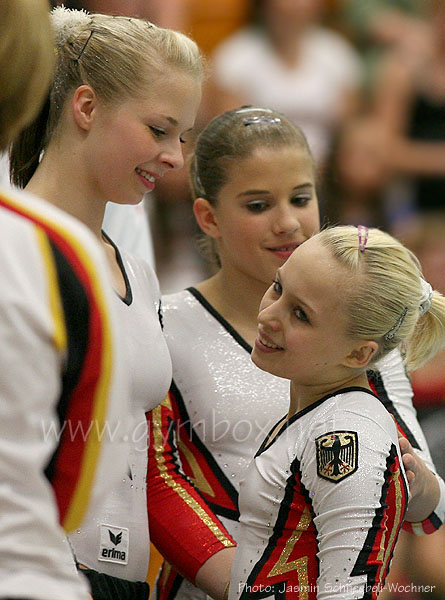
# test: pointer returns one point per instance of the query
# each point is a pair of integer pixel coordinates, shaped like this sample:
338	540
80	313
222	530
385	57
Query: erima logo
110	538
116	539
113	553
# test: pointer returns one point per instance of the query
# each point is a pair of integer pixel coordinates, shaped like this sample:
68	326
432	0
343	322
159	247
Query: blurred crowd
365	80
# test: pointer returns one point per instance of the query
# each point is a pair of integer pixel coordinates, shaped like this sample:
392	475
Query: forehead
174	94
312	273
267	166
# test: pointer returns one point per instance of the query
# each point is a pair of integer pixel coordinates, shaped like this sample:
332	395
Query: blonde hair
26	63
385	295
116	56
234	135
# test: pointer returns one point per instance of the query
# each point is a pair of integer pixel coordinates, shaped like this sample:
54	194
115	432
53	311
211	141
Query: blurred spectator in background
357	175
165	13
377	26
286	60
409	101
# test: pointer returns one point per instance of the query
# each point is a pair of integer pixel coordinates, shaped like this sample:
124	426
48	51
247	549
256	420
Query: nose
268	317
172	156
285	220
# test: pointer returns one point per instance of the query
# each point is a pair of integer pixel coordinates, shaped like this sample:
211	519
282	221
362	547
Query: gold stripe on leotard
198	476
177	487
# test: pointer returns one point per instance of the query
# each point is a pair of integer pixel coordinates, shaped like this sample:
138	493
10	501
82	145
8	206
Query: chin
262	363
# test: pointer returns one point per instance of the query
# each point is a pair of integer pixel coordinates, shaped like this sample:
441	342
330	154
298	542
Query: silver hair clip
427	296
397	325
363	234
249	108
254	120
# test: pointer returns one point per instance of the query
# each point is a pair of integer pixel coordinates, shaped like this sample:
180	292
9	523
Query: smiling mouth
145	175
287	248
269	344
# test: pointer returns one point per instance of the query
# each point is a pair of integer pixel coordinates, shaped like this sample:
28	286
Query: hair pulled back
235	135
386	297
116	56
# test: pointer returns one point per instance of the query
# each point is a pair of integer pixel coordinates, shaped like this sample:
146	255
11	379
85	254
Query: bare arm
214	575
394	91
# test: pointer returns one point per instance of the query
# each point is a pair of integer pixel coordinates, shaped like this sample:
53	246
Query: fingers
409	459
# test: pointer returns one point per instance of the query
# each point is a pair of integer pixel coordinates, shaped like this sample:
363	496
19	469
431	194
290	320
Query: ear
361	354
84	105
205	216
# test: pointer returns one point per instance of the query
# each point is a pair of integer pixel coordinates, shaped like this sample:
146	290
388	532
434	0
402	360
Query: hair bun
67	20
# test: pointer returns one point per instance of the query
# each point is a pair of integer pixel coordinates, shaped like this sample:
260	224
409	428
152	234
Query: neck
237	298
60	182
287	41
302	396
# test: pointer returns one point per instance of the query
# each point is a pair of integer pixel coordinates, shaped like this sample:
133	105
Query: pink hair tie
363	233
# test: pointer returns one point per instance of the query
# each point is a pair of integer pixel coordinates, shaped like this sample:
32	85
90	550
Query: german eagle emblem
337	455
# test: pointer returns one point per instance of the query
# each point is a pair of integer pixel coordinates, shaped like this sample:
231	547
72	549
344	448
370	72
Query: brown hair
234	135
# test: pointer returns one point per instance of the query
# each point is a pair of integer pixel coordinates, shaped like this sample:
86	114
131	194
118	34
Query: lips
148	179
265	344
146	175
283	251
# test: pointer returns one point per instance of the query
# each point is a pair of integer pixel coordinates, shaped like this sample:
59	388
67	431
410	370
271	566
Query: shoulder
34	230
328	39
178	301
241	47
333	49
181	311
363	404
71	238
357	410
56	271
239	40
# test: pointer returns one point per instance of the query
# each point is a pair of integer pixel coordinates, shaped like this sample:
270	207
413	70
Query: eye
257	206
157	131
301	315
277	288
301	199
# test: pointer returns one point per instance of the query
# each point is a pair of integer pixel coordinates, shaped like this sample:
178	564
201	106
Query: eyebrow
296	298
175	123
171	120
298	188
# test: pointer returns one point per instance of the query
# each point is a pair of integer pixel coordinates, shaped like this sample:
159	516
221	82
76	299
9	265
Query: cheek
241	233
250	228
130	140
311	220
